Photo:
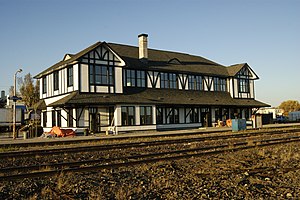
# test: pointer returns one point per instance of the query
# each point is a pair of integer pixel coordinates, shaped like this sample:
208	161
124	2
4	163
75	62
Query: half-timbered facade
136	88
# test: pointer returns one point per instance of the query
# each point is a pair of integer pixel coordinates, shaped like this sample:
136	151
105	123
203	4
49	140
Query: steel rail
120	138
151	158
52	151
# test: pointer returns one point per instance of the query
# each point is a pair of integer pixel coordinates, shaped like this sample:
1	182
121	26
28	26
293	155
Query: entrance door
205	117
94	122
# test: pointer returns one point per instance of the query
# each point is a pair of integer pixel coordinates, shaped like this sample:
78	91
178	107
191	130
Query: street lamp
14	107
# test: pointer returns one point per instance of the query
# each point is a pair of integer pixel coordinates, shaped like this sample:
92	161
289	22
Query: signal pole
14	106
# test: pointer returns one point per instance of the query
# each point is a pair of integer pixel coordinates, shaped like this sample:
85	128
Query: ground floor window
111	111
172	115
192	115
159	115
70	118
45	119
53	118
128	115
58	118
146	115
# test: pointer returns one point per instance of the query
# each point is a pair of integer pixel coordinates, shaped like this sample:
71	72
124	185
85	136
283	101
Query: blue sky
34	34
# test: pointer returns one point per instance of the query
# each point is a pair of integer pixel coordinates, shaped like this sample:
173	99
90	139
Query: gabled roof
157	60
71	60
157	97
160	60
233	70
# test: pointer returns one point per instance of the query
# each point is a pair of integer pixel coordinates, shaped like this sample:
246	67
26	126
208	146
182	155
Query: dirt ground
260	173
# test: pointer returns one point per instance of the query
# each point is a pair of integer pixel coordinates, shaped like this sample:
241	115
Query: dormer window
174	61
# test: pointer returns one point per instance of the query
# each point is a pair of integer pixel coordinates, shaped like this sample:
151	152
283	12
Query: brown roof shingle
157	60
157	97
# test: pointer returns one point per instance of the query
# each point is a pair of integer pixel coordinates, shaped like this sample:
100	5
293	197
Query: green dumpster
238	124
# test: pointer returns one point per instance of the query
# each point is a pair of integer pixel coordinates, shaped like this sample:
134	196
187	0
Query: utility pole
14	106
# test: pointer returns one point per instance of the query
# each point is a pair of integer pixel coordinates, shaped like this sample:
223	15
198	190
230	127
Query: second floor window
44	85
195	82
134	78
220	84
70	76
168	80
244	85
100	75
55	80
130	78
140	79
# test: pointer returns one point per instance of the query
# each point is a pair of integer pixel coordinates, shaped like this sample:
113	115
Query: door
94	122
205	117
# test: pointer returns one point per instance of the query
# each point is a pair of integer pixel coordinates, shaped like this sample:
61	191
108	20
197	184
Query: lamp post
14	107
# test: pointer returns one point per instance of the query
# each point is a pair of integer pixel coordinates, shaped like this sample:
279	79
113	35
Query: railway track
105	147
152	136
51	169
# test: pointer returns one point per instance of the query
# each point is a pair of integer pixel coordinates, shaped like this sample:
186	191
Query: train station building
137	88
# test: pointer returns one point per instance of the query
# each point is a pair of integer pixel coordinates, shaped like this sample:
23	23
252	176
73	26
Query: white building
136	88
275	111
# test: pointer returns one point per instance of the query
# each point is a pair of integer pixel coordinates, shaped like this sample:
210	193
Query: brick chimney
143	47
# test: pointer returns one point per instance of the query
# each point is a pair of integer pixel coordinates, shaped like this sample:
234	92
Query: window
243	80
216	84
70	76
220	84
145	115
70	118
134	78
164	82
193	115
159	115
44	86
128	115
45	119
58	114
100	75
173	81
140	78
195	82
130	78
168	80
55	80
173	115
223	85
53	118
244	86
